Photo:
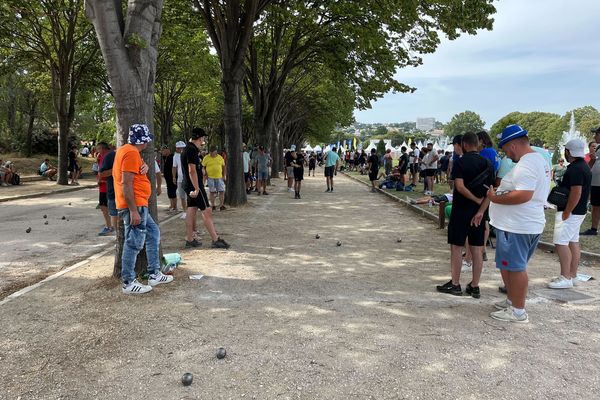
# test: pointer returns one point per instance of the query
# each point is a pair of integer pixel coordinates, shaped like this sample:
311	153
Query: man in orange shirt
132	191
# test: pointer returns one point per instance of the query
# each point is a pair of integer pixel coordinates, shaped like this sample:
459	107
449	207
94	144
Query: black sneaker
502	289
327	191
220	244
449	288
590	232
299	196
473	291
485	256
265	193
193	243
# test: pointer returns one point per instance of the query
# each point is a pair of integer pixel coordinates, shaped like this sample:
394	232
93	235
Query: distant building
425	124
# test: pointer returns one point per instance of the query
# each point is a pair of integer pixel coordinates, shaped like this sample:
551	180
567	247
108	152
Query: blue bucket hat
511	132
139	134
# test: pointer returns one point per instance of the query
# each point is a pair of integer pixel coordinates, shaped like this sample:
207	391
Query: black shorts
373	175
414	168
430	172
329	171
200	201
246	176
298	174
103	199
460	228
595	196
171	190
403	171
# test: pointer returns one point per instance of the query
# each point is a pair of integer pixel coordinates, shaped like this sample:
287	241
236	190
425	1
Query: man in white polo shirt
517	213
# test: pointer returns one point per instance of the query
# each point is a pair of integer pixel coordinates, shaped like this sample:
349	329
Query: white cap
180	144
576	147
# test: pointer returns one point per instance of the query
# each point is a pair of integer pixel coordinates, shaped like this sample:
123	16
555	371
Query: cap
197	133
139	134
457	139
576	147
511	132
180	145
164	147
293	147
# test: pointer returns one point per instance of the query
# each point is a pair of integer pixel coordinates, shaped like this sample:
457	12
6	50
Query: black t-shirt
190	156
374	160
299	161
403	162
167	168
72	157
107	163
288	159
444	162
467	168
578	174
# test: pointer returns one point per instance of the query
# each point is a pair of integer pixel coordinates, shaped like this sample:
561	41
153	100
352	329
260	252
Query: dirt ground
300	317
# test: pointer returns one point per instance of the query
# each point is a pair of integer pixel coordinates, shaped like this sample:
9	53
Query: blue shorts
513	250
112	206
263	175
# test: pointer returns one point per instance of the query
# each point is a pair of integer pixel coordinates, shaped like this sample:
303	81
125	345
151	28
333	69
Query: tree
543	128
51	35
129	46
230	25
464	122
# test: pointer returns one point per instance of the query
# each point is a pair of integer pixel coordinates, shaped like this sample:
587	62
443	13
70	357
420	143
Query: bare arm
194	179
174	172
134	215
510	198
106	173
158	183
574	197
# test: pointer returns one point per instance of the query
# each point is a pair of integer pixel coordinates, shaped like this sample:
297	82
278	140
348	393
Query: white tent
404	144
372	145
317	149
308	148
420	145
450	148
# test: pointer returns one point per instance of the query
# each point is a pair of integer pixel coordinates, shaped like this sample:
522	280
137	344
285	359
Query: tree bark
236	188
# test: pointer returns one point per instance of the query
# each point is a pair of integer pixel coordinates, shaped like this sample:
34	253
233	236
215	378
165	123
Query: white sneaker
183	215
158	278
466	266
501	305
560	282
290	189
136	287
508	315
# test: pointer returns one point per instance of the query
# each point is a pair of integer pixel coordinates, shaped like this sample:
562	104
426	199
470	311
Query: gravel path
301	318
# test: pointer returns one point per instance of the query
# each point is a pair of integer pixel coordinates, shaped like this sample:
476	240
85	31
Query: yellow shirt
214	166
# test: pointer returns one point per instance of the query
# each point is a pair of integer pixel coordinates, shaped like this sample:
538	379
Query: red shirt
101	181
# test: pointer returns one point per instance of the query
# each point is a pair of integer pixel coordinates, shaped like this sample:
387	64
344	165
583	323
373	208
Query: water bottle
430	202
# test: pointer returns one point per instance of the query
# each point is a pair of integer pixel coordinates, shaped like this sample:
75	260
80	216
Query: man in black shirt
403	165
289	169
196	195
373	168
167	167
105	172
472	173
298	162
578	181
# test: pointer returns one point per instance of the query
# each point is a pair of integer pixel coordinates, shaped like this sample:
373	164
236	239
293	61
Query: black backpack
16	180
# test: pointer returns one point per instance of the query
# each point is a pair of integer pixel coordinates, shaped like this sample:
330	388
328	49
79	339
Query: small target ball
187	379
339	243
221	353
317	237
399	240
63	218
69	203
46	223
28	230
45	216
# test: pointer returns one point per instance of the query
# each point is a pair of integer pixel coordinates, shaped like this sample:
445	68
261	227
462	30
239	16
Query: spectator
105	172
132	191
5	174
246	162
517	213
387	162
578	180
595	191
170	179
403	162
298	162
456	154
47	171
431	166
413	157
373	168
471	173
312	163
197	199
263	162
214	168
332	161
108	229
486	149
289	169
592	150
558	171
85	150
444	166
177	173
73	167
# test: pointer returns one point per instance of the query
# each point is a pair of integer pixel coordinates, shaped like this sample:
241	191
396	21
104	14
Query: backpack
16	180
399	186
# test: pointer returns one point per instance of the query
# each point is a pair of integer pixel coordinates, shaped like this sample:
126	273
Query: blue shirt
507	164
332	158
491	155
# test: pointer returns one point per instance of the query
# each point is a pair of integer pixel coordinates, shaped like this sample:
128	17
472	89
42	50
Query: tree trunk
29	134
236	187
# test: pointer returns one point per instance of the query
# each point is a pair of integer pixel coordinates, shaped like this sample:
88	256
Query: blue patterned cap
139	134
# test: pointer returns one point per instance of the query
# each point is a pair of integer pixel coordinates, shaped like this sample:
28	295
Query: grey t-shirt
262	162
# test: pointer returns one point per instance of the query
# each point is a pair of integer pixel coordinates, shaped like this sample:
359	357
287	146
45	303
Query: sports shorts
102	199
513	250
215	185
567	231
460	228
200	201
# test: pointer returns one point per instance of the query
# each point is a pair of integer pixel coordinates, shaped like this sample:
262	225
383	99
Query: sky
542	55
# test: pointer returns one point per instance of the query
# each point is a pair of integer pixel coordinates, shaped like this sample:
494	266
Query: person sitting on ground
443	198
5	174
47	170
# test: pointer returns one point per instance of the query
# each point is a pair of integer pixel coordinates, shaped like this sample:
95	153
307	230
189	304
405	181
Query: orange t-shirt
128	159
